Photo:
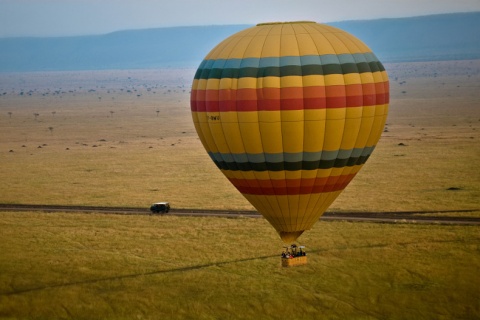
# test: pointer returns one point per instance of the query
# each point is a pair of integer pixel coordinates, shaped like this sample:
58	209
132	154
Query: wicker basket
291	262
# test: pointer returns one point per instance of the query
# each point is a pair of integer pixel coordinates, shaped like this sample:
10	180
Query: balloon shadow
155	272
134	275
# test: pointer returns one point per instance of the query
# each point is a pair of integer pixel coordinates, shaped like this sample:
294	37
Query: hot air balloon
290	112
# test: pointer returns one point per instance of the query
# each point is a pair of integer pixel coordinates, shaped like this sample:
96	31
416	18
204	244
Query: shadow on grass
197	267
129	276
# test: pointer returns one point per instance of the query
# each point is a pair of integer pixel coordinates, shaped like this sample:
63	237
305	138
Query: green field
125	138
93	266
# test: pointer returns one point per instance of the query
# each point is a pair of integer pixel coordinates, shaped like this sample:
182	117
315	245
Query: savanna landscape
125	138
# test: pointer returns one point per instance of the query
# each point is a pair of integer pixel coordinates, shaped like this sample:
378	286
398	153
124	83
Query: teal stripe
291	161
289	66
295	60
291	157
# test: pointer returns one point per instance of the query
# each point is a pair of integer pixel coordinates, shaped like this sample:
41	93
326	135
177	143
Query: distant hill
131	49
435	37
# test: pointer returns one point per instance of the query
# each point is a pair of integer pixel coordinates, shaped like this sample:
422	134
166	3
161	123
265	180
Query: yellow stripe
206	136
334	132
350	134
294	115
365	126
314	114
290	81
271	137
225	83
248	117
336	113
234	134
212	84
346	128
268	131
292	133
378	124
279	175
314	129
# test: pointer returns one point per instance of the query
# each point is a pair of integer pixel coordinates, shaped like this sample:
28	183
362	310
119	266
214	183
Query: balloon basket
294	256
292	262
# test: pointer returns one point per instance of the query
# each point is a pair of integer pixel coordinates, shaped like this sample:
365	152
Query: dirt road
436	217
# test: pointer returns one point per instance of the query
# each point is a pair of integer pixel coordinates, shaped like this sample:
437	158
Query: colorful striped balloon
290	112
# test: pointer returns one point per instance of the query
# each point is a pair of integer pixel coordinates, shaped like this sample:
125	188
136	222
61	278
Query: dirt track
380	217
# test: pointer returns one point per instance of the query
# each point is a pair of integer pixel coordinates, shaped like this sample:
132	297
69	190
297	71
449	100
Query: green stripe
264	67
289	60
291	166
291	161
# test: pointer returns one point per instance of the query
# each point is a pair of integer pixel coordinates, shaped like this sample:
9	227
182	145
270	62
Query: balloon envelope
290	112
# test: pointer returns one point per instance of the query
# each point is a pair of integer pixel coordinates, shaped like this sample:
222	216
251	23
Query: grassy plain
93	266
125	138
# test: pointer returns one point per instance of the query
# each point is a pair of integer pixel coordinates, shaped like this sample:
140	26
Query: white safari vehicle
160	207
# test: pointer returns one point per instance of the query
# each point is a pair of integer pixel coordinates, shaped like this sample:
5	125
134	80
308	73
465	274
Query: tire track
364	216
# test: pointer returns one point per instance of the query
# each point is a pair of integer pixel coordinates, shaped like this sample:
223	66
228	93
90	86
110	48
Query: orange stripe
292	186
290	92
288	104
289	98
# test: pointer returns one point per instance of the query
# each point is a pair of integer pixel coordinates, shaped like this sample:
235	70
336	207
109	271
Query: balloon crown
288	22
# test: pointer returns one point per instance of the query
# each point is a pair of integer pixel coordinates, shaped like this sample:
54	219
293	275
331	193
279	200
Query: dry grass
122	152
84	266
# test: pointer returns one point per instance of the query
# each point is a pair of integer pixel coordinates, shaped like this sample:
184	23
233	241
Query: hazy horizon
50	18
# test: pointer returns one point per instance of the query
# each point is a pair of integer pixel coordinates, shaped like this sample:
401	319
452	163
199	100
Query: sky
85	17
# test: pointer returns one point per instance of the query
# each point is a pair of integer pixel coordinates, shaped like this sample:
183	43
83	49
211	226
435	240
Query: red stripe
276	99
293	92
288	104
292	186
